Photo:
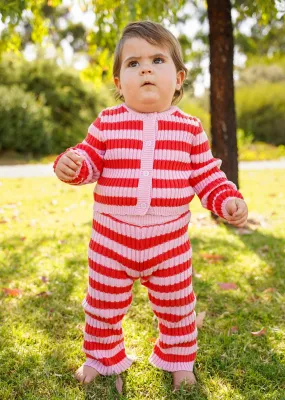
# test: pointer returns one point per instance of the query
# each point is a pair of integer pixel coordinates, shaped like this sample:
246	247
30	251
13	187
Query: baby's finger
71	164
67	171
74	157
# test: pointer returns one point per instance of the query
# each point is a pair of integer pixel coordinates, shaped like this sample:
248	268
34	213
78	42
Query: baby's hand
67	165
237	208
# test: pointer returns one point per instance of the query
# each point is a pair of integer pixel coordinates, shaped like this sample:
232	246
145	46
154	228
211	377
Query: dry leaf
259	333
212	257
44	279
13	292
228	285
152	339
119	384
233	329
269	290
200	319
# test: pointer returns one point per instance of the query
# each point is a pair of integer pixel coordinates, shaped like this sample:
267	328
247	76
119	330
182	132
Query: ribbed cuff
81	174
109	370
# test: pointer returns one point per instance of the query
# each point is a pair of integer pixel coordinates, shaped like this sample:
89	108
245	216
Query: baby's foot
183	376
85	374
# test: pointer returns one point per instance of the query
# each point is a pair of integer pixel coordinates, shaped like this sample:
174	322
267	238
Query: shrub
261	111
25	123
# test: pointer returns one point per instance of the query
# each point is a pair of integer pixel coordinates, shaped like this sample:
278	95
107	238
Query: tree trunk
222	102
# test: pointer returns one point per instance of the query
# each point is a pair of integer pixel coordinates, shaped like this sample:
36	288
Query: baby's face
143	62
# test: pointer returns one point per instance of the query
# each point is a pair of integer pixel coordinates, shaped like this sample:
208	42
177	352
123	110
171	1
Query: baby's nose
146	70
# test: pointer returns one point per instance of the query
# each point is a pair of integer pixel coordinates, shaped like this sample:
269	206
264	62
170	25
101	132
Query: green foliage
25	124
192	107
261	110
73	104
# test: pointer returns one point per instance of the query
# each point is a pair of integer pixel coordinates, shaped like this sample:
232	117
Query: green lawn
45	227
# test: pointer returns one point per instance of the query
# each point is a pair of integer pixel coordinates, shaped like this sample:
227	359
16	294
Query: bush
25	123
261	111
73	104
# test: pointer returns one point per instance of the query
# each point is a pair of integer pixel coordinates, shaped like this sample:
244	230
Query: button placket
147	155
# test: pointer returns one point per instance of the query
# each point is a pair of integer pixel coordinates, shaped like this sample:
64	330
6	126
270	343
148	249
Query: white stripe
179	294
179	339
107	280
115	298
107	339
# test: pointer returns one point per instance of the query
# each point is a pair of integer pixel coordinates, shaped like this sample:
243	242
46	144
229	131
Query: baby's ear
117	83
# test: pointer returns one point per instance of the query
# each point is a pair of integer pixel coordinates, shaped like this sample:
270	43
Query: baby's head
148	68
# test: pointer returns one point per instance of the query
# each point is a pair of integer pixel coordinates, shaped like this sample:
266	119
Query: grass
45	228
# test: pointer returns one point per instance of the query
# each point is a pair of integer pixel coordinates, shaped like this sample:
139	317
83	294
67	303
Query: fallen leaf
233	329
200	319
119	384
212	257
13	292
269	290
44	279
152	339
259	333
228	285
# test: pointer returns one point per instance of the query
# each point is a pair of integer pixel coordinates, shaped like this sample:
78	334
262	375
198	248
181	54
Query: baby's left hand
237	208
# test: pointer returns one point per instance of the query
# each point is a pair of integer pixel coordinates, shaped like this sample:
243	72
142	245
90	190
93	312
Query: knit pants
160	256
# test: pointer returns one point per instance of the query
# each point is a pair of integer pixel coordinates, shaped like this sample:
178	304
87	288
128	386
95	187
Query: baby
149	159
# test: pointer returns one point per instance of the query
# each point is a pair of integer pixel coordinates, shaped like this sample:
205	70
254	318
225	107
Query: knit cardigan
150	163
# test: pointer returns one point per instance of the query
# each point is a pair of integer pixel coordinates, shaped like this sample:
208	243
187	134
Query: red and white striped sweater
151	163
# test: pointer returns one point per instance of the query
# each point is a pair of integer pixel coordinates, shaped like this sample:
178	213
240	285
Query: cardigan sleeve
208	181
92	149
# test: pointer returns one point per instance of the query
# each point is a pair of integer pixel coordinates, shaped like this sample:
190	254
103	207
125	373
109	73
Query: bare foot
85	374
183	376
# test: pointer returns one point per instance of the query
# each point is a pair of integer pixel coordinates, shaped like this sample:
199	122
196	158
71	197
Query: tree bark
222	101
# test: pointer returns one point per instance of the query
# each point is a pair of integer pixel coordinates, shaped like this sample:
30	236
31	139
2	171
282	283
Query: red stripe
174	357
200	148
169	288
171	165
101	269
161	202
101	332
101	287
121	125
174	302
116	111
112	360
182	330
178	126
169	346
167	272
125	163
173	145
110	320
94	142
100	346
211	186
104	304
204	175
171	317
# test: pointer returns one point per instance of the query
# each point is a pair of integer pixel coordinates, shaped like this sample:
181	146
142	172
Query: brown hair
155	34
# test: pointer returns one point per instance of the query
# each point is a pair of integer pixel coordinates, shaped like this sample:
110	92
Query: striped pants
160	255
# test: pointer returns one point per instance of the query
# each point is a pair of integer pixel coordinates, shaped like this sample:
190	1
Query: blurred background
56	61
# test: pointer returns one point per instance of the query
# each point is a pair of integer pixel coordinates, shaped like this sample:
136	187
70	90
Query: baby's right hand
67	165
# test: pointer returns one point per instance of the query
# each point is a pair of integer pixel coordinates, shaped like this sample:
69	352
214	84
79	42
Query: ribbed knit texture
151	163
161	257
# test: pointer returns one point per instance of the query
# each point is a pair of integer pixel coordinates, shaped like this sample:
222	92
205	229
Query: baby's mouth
148	83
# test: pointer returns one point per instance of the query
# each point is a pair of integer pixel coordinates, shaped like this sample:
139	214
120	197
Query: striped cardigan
150	163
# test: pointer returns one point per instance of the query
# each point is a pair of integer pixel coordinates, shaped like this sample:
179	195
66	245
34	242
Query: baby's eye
131	63
159	58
